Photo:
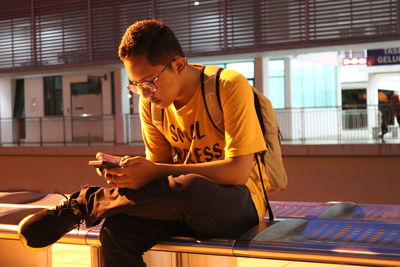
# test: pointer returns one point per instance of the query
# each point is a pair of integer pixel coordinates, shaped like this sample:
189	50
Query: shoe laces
69	203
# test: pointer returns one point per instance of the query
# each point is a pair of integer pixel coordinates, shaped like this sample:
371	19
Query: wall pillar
6	111
120	105
288	82
34	109
372	102
259	74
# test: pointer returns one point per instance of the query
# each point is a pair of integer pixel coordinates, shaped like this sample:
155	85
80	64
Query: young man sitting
194	180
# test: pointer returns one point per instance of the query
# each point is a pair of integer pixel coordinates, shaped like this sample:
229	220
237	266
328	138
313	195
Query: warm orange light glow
354	251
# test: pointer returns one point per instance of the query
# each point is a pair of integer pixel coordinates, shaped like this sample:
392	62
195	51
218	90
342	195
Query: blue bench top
337	232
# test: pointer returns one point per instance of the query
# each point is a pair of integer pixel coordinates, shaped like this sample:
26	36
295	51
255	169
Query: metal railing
54	130
360	124
298	125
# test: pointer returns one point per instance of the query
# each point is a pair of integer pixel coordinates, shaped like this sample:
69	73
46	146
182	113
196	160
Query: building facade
62	82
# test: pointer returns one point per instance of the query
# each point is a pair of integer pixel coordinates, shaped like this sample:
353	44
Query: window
276	82
92	86
244	68
53	103
19	108
313	84
19	100
354	98
354	105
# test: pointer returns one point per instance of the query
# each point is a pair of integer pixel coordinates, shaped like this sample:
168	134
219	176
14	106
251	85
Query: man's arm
232	171
138	171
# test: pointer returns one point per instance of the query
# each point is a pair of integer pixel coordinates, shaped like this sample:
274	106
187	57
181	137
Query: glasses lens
134	89
148	87
144	87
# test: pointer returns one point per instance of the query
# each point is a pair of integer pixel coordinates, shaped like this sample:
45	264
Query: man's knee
191	183
108	231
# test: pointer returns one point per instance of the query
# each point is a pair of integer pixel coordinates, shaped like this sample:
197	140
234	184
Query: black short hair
151	38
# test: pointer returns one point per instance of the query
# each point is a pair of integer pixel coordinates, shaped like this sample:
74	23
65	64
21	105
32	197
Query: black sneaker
40	230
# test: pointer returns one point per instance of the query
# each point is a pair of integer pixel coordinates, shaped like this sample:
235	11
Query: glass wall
244	68
313	84
276	82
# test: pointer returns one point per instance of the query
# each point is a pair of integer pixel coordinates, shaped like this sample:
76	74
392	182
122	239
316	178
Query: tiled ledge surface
138	149
78	150
342	150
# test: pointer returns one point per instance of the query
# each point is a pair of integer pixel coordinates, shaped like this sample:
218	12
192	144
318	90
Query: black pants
136	220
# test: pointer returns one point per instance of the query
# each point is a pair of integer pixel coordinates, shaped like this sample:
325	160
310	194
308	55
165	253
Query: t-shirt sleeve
158	149
243	133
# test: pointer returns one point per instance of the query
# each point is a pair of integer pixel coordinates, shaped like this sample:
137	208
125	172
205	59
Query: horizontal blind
109	21
282	23
241	27
355	19
15	34
198	27
258	24
61	29
36	33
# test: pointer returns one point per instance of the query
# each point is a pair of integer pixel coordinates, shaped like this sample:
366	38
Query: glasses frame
138	88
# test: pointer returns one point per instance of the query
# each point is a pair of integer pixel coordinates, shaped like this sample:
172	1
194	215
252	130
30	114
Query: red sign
354	61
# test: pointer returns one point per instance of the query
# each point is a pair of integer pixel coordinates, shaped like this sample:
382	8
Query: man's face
157	83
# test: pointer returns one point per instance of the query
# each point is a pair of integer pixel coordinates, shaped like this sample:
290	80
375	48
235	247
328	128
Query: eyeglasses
147	87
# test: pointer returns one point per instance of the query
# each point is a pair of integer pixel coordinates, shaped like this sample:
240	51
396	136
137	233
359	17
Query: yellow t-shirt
190	137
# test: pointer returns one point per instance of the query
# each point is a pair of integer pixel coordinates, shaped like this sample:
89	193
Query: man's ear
180	64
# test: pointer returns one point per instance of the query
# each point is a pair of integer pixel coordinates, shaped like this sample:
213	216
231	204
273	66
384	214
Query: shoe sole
23	239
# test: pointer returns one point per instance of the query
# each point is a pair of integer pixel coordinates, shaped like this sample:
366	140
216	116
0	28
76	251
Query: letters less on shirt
198	154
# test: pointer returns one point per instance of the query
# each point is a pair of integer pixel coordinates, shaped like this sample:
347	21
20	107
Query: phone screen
103	164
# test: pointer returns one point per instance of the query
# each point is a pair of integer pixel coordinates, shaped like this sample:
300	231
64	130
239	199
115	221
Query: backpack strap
271	216
157	116
217	87
257	106
211	96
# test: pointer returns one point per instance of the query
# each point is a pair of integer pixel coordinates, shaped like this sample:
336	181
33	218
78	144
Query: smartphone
103	164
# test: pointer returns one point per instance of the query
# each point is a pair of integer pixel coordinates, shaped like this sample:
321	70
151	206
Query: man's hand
135	172
106	157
